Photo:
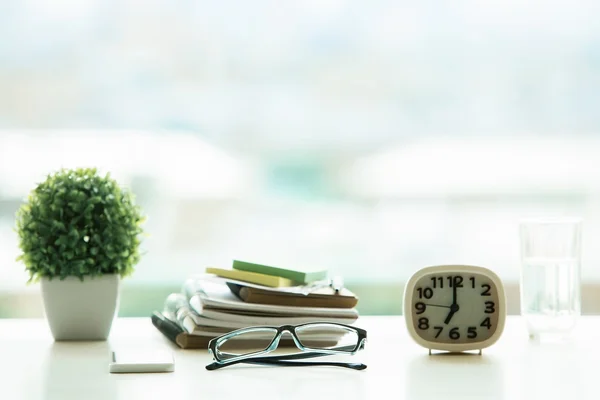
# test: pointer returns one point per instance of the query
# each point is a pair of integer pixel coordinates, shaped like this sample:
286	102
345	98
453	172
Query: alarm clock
455	308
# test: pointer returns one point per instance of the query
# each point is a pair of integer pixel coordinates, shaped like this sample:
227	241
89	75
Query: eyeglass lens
316	336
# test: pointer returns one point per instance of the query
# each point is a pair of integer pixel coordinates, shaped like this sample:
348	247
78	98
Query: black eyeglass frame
258	357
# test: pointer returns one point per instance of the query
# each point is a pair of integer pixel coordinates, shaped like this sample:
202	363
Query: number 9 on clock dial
455	307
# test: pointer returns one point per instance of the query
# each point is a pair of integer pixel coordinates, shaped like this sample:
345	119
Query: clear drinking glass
551	275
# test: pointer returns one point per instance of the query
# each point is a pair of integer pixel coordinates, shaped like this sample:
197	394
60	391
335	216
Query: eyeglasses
317	339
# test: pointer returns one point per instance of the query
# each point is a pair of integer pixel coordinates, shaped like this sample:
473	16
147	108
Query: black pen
169	328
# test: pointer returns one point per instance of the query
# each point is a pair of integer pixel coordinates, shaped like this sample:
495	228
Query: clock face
455	307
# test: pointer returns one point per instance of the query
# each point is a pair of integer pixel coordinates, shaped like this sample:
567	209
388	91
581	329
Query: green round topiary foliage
77	223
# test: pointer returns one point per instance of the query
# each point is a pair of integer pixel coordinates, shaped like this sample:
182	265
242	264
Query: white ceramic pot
81	310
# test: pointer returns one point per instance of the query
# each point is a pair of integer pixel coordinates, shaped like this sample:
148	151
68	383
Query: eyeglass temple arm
266	359
270	361
284	360
356	366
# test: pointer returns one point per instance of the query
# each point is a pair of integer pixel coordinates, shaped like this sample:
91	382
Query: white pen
337	283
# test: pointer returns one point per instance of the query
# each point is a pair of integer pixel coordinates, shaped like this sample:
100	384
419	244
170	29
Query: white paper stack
208	308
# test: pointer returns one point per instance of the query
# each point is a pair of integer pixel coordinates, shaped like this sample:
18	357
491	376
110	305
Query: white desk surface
36	367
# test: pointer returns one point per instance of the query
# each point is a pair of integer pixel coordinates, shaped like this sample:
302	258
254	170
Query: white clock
455	307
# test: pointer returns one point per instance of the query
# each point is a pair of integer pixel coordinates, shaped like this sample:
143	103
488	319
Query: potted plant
79	234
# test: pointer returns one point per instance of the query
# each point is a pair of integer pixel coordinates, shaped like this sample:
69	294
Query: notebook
209	317
214	296
320	297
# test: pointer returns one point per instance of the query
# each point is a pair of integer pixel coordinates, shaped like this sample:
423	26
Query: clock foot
473	352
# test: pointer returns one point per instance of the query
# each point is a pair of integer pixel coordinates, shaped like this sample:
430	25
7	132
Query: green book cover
297	275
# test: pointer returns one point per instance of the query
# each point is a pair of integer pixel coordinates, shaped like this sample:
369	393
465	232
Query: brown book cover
325	297
186	341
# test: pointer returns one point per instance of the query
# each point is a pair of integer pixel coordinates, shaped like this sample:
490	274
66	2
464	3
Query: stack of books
249	294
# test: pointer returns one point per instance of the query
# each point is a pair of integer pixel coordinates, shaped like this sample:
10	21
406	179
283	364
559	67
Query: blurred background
371	138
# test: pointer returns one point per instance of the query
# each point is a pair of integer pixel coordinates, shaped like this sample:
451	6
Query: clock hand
450	314
454	293
454	307
437	305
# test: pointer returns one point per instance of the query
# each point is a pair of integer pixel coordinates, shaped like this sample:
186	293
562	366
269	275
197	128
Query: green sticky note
297	275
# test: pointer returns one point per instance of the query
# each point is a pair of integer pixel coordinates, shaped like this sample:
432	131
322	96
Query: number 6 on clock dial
455	307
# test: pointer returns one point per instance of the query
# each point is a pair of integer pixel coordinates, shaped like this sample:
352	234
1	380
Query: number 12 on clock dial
455	307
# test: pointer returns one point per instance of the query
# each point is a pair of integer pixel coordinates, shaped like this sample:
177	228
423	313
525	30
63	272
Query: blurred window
373	138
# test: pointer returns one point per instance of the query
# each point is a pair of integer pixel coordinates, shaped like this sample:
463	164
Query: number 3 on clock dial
455	307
